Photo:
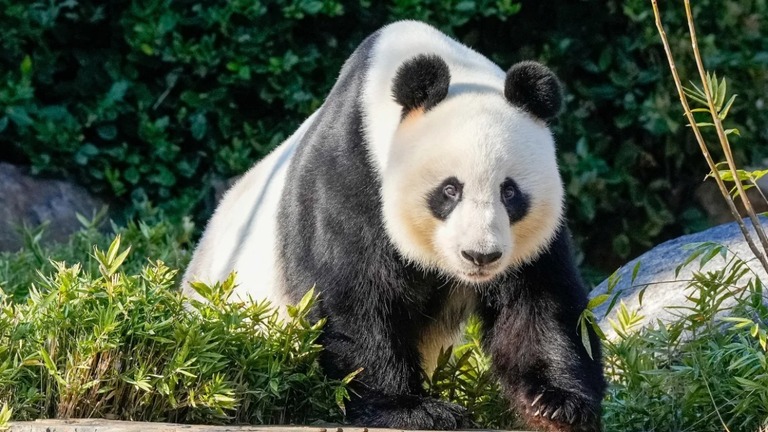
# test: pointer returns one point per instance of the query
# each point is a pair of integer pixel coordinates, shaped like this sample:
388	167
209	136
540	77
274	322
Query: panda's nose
479	258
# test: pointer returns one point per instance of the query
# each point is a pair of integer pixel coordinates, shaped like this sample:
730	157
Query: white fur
397	43
241	234
500	141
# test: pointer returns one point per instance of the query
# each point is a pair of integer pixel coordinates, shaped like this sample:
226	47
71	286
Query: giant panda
423	190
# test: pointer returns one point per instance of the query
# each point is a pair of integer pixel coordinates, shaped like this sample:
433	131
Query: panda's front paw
556	410
408	412
445	415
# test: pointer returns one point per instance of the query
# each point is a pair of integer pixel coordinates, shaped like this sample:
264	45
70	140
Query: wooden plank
100	425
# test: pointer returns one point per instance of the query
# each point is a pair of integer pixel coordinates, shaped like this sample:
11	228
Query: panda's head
471	186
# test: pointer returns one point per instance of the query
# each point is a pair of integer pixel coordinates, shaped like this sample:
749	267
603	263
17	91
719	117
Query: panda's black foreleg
388	391
405	412
532	336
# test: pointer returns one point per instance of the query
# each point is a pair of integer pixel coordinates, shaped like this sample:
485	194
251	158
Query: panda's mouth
480	275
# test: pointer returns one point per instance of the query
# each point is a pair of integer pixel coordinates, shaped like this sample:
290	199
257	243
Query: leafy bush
156	238
120	345
157	99
706	370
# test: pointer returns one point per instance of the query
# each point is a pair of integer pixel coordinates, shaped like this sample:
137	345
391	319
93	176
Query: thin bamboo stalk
701	142
721	132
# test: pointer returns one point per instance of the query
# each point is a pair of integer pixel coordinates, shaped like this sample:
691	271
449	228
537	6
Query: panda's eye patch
445	197
515	200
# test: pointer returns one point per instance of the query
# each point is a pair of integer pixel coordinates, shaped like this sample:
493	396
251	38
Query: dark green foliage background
150	101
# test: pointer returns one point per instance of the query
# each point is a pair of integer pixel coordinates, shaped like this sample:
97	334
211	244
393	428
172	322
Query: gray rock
656	274
31	200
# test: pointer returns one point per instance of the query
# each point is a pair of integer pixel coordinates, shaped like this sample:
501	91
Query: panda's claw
557	412
554	409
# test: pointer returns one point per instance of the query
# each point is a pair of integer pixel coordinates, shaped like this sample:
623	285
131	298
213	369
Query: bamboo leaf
5	416
696	94
727	108
635	270
720	94
585	337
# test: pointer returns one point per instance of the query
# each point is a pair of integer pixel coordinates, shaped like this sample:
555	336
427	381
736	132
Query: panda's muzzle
480	259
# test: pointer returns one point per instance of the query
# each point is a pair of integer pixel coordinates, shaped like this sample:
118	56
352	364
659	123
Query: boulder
656	274
32	200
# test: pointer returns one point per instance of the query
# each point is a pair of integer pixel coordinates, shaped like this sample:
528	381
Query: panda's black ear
421	83
534	88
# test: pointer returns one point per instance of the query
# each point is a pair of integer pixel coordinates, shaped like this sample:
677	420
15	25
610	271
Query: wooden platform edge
101	425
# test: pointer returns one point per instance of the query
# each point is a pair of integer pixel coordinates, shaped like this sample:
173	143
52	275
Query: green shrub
122	345
704	371
156	238
154	100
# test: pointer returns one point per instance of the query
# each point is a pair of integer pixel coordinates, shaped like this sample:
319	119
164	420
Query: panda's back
244	226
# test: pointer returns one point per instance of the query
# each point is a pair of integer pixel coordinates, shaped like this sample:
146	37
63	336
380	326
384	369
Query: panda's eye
508	193
451	191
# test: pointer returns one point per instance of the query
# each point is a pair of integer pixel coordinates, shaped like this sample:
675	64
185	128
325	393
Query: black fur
441	205
534	88
331	235
531	335
517	207
421	82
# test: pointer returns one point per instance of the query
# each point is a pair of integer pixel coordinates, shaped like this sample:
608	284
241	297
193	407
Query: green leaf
585	337
597	301
19	116
117	92
275	387
107	132
635	270
199	126
724	112
720	93
5	416
621	245
26	66
51	367
306	301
